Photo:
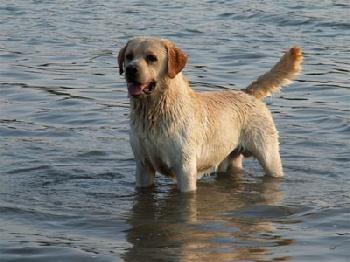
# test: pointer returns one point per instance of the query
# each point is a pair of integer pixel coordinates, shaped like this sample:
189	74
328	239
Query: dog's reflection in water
218	223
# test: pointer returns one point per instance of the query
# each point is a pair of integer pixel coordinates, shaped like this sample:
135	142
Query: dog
182	133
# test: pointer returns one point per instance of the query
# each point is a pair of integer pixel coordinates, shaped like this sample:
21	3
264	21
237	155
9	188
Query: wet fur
182	133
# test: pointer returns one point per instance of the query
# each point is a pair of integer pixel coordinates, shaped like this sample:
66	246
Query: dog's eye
129	57
151	58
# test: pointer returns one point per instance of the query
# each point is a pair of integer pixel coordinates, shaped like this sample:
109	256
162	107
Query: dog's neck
177	86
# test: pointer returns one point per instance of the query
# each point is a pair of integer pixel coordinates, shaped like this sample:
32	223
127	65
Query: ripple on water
269	212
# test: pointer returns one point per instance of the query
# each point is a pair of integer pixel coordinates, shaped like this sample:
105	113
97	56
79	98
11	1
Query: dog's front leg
186	176
144	174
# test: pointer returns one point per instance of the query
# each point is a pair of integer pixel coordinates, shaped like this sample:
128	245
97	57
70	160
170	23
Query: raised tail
281	74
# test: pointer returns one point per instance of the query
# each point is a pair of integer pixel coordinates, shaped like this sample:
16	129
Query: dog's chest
162	147
160	135
164	152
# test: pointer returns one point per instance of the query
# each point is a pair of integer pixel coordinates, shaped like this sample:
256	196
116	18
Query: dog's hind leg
271	162
233	162
269	157
260	139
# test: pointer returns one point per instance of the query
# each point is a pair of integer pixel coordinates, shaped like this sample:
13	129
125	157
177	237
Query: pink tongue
135	89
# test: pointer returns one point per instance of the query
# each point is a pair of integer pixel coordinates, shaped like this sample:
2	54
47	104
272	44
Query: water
66	179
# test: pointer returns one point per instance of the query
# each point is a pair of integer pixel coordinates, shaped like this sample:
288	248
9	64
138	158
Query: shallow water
66	178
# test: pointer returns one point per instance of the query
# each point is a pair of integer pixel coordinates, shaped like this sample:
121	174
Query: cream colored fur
182	133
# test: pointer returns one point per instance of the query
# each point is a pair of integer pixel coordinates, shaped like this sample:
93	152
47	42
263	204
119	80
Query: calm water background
66	167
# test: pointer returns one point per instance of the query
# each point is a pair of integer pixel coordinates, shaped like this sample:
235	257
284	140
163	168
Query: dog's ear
121	57
177	59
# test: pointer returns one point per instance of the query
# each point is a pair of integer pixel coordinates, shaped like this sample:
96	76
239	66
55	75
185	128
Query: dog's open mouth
136	89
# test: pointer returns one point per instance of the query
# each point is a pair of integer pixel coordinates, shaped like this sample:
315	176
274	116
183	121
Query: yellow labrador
182	133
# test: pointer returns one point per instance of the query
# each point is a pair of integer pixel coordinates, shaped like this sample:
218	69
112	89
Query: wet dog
182	133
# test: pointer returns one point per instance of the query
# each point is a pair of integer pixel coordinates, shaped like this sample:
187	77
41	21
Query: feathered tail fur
281	74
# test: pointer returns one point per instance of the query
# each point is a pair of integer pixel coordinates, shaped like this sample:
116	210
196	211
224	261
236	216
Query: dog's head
147	61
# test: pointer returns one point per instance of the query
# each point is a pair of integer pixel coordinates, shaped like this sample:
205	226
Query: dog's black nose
131	71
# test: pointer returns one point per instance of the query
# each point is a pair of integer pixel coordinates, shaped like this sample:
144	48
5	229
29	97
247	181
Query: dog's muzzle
135	88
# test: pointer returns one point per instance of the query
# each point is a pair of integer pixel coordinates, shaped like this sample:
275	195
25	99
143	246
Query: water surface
66	178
